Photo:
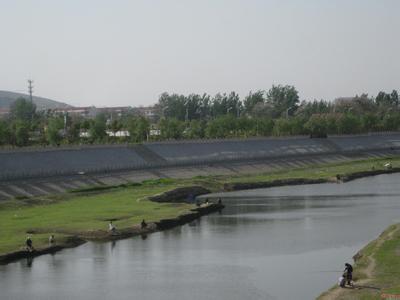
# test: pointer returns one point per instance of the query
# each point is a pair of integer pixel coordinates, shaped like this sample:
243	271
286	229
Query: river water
279	243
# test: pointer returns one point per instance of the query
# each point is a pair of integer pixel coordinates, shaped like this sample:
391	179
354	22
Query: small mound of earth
183	194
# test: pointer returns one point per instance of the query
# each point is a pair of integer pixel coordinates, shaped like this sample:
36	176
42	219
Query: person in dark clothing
349	273
143	225
29	244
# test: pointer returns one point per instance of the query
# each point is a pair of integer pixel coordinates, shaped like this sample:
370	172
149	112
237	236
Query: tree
252	100
23	110
391	121
193	105
224	104
21	132
139	129
307	109
171	128
98	128
54	131
369	122
114	126
331	124
221	127
384	99
73	132
173	106
86	124
317	126
264	126
261	110
283	99
205	107
245	126
348	124
289	126
196	129
5	134
282	127
394	97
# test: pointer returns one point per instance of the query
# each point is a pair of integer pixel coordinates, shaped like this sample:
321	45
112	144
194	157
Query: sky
128	52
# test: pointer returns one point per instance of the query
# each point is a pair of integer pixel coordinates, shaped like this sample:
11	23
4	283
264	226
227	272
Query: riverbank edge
366	270
104	236
239	186
75	240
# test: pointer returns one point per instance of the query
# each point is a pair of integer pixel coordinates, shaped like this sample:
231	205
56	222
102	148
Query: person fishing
348	271
342	281
29	244
112	228
143	224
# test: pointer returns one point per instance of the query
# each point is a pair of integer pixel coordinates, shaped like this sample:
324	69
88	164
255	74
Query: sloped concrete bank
101	159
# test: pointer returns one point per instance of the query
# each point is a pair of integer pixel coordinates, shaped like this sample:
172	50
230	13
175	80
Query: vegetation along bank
83	215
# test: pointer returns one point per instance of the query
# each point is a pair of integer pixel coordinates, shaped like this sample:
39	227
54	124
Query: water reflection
29	261
279	243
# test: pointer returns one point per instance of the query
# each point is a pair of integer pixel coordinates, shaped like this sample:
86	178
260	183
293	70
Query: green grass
322	171
385	250
91	208
77	213
388	263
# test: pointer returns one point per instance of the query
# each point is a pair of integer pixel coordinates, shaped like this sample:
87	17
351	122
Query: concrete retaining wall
105	159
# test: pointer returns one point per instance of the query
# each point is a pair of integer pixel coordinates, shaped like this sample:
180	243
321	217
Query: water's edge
75	241
165	224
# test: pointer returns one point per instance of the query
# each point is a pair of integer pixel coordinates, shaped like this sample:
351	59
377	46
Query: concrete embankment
24	164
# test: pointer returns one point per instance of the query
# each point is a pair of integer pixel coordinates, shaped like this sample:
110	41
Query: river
279	243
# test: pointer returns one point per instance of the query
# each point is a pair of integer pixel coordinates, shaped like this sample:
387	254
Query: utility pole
30	89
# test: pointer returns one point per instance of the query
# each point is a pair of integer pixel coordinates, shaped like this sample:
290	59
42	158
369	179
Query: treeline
26	126
276	112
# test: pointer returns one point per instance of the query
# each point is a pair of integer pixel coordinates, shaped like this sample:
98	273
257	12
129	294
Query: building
149	112
85	112
4	112
116	111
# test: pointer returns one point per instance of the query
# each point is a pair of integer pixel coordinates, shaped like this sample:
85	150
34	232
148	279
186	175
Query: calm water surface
281	243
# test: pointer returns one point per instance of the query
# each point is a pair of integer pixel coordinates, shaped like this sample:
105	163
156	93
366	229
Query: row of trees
277	112
318	125
278	101
26	126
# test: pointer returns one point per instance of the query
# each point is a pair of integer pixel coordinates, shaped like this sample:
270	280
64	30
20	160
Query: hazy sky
127	52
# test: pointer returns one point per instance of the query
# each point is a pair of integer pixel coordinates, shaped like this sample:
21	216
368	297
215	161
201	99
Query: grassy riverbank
80	213
376	272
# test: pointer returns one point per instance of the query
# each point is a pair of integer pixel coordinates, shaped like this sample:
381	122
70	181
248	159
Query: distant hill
7	98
